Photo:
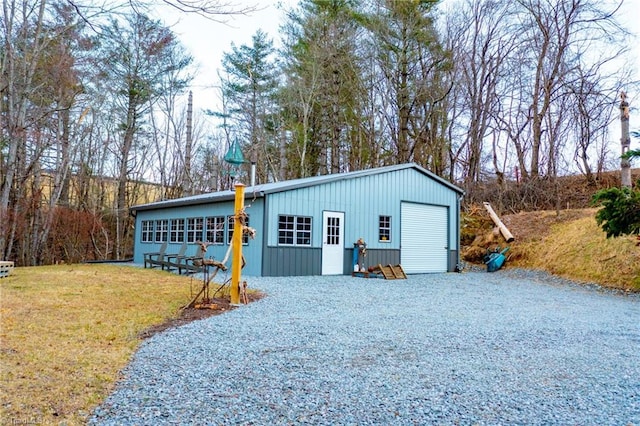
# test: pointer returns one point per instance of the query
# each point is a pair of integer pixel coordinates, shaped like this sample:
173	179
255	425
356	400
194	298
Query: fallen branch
508	236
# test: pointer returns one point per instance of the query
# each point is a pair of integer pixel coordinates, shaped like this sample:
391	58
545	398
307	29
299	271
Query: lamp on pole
235	158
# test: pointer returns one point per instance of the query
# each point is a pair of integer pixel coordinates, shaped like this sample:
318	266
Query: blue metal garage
406	215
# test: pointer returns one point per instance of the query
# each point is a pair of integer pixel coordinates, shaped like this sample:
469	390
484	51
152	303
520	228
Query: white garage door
424	236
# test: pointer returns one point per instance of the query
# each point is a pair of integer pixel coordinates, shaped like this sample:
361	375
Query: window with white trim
147	231
294	230
384	229
195	229
215	229
230	224
162	229
176	231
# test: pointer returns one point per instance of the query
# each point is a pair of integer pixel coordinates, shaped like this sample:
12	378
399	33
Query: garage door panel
424	237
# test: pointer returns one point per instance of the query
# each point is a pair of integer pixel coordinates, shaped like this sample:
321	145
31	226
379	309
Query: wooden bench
6	266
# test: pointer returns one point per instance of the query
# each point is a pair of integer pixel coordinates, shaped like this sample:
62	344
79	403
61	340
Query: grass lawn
66	332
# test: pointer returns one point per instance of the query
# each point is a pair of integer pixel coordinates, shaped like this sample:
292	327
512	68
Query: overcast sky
207	41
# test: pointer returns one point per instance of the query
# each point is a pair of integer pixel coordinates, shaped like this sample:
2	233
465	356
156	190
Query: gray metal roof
270	188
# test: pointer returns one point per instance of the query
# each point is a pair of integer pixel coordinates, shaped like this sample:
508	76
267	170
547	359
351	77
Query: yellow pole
236	241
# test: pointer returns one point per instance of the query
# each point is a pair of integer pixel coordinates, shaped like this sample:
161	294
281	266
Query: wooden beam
236	261
503	229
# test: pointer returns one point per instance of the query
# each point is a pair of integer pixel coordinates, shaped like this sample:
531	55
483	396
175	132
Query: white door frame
332	243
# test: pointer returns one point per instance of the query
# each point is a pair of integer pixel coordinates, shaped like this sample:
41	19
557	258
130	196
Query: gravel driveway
510	347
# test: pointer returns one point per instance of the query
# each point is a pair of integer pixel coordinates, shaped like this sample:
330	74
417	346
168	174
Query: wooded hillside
500	98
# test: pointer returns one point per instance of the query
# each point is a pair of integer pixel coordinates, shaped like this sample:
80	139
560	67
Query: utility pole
625	140
187	186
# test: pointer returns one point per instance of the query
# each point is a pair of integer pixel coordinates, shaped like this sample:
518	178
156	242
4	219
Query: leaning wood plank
399	271
395	272
503	229
386	272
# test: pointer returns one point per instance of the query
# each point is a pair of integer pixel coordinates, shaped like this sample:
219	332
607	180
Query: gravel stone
473	348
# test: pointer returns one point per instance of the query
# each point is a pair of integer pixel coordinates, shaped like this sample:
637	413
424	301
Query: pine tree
324	98
620	213
249	90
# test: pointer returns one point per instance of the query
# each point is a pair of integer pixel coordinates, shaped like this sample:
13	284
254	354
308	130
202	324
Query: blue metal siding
291	261
252	252
363	200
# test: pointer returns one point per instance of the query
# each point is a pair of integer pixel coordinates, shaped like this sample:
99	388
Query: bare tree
481	43
593	109
138	57
40	87
557	36
215	10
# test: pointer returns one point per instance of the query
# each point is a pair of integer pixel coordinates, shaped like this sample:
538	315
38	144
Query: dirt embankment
480	234
567	243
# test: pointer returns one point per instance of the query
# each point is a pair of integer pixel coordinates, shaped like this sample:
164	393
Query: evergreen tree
249	91
620	213
324	97
414	71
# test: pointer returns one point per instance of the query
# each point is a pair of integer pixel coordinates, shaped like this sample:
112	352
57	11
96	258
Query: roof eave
188	201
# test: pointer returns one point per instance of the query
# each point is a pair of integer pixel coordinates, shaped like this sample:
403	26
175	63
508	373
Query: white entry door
332	244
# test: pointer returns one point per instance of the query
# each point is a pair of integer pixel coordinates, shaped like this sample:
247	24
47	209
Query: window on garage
384	229
230	224
195	229
294	230
162	229
176	231
147	231
215	229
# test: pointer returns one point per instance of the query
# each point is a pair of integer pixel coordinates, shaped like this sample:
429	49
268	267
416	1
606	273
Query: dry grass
579	250
569	244
67	331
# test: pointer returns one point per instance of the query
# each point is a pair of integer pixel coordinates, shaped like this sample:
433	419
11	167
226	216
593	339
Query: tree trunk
625	140
122	214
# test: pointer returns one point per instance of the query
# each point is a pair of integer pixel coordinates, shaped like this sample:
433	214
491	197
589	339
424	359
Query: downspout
458	267
134	214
